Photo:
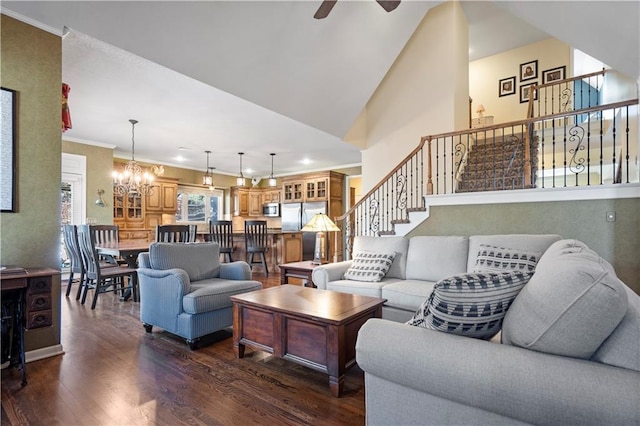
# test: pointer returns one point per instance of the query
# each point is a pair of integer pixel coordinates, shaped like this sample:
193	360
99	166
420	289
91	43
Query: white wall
485	73
425	92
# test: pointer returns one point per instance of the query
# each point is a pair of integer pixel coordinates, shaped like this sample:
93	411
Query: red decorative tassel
66	115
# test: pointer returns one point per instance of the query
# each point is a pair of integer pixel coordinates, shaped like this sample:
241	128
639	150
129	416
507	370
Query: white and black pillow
499	259
369	266
470	304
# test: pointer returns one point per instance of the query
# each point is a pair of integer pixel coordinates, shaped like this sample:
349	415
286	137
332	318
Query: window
197	205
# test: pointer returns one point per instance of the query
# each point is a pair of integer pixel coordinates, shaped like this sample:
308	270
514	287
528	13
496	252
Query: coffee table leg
336	359
238	348
336	384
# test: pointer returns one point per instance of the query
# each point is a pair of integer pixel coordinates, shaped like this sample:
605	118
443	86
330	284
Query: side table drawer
39	285
37	319
38	302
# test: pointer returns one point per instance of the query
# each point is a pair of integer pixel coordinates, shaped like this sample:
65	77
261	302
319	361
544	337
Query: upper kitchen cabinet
164	196
322	186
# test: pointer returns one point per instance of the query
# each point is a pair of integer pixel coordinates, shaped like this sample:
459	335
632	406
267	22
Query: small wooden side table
301	270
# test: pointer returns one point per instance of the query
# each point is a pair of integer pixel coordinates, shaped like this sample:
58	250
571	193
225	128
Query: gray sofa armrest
238	270
324	274
513	382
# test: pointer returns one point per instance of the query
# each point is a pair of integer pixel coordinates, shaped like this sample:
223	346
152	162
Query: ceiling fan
327	5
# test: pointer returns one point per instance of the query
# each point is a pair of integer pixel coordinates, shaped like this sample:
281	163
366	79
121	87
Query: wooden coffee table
311	327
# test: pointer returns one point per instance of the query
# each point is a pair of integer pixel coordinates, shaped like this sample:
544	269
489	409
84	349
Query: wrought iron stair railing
567	139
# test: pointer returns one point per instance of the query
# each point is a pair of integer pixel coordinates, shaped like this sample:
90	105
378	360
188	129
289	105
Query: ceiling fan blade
388	5
324	9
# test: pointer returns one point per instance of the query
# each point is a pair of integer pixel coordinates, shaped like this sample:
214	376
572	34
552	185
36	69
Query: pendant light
207	179
272	180
240	180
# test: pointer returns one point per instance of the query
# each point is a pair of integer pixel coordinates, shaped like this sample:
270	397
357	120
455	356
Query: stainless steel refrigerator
295	216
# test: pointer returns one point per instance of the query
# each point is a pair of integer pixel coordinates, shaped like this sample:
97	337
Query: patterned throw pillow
472	304
369	266
499	259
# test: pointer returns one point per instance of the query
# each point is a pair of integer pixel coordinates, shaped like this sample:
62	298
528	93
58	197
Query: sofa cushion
199	260
407	294
432	258
471	305
571	305
539	242
398	245
622	347
369	266
373	289
213	294
498	259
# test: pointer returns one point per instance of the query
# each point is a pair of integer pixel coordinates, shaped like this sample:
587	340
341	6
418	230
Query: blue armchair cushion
215	294
200	261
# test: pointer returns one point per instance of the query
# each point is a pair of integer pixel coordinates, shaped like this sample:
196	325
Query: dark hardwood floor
113	373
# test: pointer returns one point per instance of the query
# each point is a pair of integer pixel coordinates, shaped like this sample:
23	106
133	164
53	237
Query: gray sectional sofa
418	264
568	353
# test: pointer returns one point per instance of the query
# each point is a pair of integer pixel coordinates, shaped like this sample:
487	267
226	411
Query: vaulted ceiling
264	76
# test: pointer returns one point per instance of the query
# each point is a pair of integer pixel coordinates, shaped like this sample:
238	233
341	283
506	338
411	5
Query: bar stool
221	232
255	240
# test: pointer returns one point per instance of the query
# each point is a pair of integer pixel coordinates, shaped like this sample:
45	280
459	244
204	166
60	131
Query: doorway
72	197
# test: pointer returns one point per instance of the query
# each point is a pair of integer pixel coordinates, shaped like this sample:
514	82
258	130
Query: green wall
31	65
618	242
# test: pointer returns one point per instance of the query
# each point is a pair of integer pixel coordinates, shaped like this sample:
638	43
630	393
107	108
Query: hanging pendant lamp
240	179
207	179
132	180
272	180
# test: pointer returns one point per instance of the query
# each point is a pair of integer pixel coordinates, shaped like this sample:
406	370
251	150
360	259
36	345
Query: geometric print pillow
369	266
470	304
498	259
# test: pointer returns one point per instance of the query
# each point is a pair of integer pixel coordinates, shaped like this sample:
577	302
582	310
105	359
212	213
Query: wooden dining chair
176	233
105	234
70	233
221	232
102	280
256	242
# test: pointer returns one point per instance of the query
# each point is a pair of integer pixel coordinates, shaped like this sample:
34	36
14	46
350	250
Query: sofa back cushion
399	245
536	242
432	258
199	260
573	302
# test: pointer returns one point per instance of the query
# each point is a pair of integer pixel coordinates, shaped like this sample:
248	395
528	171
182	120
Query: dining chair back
70	233
102	280
106	234
176	233
221	232
256	242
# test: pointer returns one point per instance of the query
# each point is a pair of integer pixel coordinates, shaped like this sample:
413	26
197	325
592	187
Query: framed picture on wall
554	74
8	150
525	92
529	70
507	86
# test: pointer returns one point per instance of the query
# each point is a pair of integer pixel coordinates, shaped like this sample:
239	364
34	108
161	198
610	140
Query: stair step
386	233
396	221
417	209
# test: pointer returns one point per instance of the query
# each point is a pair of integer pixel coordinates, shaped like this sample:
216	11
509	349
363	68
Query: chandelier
272	181
132	180
207	179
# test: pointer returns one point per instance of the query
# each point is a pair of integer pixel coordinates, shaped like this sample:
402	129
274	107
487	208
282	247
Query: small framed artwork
8	150
554	74
525	90
507	86
529	70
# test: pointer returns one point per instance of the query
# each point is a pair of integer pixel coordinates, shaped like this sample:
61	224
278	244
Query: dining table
127	250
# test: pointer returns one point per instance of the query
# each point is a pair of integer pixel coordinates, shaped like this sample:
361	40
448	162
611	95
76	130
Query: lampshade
480	110
320	223
240	179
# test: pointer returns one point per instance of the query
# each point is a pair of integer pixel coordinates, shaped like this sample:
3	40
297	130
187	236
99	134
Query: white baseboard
38	354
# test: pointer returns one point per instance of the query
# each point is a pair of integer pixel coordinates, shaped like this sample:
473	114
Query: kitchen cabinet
164	197
317	189
293	191
255	202
240	197
311	187
271	196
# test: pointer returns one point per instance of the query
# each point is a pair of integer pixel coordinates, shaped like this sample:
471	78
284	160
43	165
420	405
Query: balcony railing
569	139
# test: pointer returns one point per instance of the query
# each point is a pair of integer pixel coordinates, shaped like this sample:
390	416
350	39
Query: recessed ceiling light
180	158
182	148
306	161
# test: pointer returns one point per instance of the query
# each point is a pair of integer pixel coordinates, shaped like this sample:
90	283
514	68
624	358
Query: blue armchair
185	290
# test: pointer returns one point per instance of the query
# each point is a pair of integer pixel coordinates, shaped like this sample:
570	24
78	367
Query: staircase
497	164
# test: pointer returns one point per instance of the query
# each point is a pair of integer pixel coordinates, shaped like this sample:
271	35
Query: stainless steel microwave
271	209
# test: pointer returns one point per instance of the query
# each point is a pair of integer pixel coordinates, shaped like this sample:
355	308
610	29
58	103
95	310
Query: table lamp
320	223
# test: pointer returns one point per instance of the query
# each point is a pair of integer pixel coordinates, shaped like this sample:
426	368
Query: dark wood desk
312	327
128	250
26	303
301	270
